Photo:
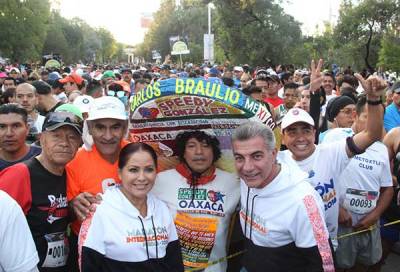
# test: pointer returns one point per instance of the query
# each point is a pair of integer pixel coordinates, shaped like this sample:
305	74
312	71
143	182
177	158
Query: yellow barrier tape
243	251
216	261
368	229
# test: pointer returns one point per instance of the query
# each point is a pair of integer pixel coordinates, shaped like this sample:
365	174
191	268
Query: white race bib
360	201
57	250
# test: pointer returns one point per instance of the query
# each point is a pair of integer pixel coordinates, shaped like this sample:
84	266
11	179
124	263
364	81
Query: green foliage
361	27
256	31
23	28
389	54
29	30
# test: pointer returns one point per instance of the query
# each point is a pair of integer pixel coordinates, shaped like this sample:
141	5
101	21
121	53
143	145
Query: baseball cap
238	68
396	87
71	109
3	75
107	107
214	71
296	115
73	78
55	120
54	76
108	74
83	102
15	70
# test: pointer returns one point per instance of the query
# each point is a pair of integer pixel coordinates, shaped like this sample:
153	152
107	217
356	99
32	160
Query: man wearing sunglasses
39	187
119	89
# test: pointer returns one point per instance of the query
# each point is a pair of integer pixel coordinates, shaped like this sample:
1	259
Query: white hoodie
284	218
117	235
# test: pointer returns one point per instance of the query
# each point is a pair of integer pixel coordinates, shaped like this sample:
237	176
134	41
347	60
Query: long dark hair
132	148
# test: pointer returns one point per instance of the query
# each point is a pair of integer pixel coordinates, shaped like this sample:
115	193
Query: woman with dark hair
131	230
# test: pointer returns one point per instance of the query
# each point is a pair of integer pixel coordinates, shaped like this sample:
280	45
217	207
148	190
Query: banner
168	107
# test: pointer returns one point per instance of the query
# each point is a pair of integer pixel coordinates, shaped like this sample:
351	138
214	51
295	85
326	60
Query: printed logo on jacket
204	201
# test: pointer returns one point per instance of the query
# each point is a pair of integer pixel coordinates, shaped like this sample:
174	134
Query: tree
256	31
188	21
389	54
23	28
107	45
361	27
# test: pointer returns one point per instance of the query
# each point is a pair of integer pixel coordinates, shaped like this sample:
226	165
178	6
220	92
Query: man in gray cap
39	187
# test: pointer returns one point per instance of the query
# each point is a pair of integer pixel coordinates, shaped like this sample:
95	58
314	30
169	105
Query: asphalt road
392	263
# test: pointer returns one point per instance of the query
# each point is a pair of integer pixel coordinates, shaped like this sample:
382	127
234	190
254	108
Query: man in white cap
238	72
93	171
325	162
84	102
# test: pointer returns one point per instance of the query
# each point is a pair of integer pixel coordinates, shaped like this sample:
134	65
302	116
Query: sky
122	17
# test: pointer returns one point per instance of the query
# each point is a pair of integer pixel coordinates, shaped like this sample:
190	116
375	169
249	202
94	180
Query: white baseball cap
296	115
84	102
107	107
238	68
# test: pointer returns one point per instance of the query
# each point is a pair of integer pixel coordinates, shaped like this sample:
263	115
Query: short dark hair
11	78
184	137
251	89
290	86
140	80
228	81
93	86
14	108
329	74
360	105
285	77
41	87
132	148
7	94
349	79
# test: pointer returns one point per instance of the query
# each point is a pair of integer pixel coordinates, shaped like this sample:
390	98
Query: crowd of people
310	195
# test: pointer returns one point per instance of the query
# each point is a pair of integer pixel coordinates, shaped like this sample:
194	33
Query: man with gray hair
281	214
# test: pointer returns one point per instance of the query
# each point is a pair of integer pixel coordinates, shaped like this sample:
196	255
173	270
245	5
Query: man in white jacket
281	214
17	249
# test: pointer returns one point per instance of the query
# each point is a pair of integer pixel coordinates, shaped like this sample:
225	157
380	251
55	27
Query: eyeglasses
119	94
348	111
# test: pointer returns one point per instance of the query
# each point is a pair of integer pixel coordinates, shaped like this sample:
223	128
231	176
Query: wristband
374	103
353	147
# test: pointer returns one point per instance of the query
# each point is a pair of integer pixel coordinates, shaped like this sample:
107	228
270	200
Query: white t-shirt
17	249
39	122
206	215
324	167
361	180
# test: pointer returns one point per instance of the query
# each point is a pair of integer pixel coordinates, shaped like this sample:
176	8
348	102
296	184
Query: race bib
57	250
360	201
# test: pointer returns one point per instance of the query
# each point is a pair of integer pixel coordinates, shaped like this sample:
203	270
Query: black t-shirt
33	152
48	216
44	113
43	198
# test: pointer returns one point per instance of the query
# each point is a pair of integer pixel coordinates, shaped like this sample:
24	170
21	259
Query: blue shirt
33	152
391	118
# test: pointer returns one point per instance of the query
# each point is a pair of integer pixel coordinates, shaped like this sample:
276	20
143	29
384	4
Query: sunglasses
119	94
55	118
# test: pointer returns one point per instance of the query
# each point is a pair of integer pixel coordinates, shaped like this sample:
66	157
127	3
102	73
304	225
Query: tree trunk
367	47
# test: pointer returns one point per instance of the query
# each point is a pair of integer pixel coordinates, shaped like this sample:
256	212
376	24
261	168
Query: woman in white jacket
131	230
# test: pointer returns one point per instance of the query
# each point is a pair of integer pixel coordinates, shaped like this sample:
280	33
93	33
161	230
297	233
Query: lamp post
210	41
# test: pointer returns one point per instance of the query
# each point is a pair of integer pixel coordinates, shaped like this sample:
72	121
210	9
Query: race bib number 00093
360	201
